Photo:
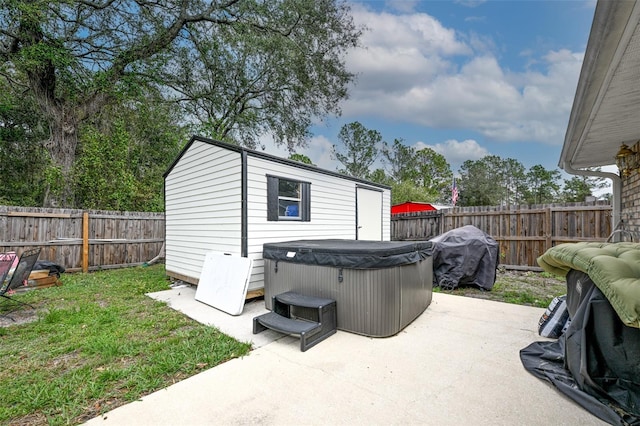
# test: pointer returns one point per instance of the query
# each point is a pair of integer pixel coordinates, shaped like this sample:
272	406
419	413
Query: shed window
287	199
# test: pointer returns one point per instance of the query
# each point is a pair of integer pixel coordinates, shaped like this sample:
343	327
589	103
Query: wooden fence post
548	228
85	242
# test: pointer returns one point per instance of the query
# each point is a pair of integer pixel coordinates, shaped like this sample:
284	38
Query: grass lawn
99	343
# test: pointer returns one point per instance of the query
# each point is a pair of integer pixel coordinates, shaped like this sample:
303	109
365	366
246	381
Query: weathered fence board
91	240
523	232
80	239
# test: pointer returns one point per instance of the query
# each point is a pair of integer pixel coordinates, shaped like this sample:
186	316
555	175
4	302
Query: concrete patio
456	364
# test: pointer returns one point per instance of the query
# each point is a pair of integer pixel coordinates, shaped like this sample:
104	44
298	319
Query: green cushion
613	267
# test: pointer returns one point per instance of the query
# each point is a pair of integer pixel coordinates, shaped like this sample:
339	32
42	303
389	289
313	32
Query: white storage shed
228	199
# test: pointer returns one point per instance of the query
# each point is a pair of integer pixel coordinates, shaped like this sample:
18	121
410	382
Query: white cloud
456	152
417	31
470	3
414	70
402	5
399	50
318	150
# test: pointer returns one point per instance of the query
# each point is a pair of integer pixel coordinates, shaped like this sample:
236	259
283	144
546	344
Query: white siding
203	207
203	194
386	215
333	210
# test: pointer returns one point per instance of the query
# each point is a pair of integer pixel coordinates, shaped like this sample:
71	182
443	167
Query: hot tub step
292	298
312	318
287	325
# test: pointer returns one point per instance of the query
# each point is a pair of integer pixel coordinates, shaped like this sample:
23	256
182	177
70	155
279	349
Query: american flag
454	193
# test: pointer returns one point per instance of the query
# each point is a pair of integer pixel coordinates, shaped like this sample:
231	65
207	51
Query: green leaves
578	188
122	157
361	148
493	181
422	175
271	70
543	185
104	179
239	70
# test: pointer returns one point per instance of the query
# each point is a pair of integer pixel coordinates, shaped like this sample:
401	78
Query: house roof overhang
606	107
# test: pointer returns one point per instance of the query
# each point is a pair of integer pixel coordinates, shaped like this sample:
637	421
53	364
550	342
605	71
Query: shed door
368	214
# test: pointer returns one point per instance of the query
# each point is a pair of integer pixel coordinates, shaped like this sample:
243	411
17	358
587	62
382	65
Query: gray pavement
456	364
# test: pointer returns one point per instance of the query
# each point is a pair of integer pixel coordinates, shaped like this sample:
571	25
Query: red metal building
411	207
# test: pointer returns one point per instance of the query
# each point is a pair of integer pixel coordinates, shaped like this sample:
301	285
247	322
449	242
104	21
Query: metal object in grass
14	279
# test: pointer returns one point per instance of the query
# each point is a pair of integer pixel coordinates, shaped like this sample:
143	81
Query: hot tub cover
351	254
465	256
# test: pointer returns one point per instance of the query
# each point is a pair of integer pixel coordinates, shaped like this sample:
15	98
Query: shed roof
269	157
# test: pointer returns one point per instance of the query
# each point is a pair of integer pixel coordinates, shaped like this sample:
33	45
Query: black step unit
288	325
312	318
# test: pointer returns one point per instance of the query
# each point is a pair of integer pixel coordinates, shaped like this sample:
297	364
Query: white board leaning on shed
224	281
229	199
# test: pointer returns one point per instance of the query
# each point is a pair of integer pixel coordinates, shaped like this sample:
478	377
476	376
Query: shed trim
369	187
244	221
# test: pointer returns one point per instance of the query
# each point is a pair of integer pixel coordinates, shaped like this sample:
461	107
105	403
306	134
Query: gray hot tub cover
350	254
465	256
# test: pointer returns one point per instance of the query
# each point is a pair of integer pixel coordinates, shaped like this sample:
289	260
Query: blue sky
465	78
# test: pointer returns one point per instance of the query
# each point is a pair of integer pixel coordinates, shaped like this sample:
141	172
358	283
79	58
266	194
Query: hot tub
379	287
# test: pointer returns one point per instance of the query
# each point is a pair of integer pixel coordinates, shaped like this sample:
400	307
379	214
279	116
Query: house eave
592	139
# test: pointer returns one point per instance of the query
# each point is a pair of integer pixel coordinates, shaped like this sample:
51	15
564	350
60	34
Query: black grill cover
596	362
465	256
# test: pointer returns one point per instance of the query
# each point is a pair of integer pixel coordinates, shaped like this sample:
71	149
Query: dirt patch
22	316
519	287
35	419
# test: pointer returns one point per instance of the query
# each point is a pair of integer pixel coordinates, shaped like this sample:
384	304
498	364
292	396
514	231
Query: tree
543	186
23	160
491	181
513	181
575	189
272	72
478	185
379	176
433	174
399	160
75	58
407	191
157	138
578	188
361	149
301	158
423	175
123	154
606	197
104	162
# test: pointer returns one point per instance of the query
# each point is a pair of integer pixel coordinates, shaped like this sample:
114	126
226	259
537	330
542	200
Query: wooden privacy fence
523	232
83	240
